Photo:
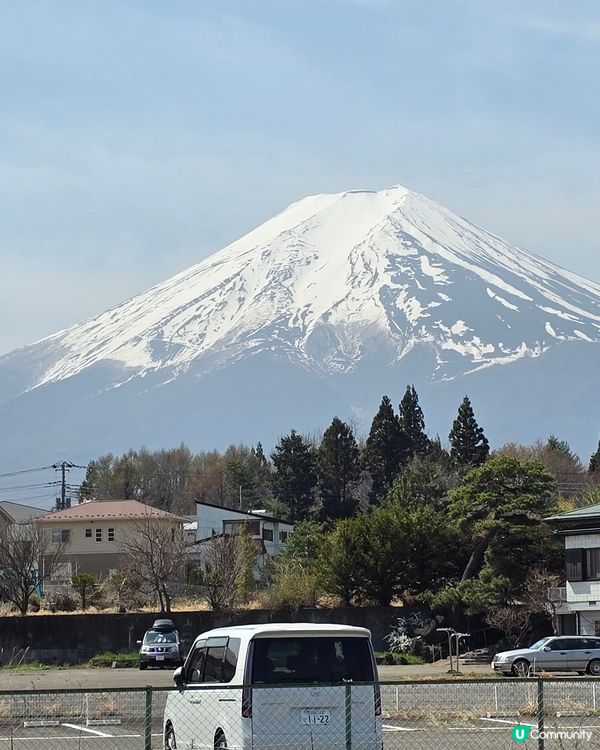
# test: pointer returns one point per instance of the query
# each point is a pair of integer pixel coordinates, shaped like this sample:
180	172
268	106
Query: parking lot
475	735
459	715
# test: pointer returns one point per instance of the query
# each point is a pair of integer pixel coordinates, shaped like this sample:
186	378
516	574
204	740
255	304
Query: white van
291	685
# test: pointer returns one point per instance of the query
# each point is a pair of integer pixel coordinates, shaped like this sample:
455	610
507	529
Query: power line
18	487
26	471
36	497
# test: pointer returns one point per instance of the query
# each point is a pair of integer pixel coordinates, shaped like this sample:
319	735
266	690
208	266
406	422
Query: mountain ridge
321	276
330	302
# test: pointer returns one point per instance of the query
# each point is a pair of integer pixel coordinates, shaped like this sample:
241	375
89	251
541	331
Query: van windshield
303	660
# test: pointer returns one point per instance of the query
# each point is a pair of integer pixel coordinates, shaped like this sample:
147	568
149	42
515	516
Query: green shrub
106	659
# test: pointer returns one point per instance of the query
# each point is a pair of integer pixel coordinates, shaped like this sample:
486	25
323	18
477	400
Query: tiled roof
115	509
590	511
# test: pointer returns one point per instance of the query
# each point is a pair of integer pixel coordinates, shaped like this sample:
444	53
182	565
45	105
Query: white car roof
285	629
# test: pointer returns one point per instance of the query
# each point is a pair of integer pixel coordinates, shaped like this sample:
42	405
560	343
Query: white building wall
589	622
210	521
581	593
585	541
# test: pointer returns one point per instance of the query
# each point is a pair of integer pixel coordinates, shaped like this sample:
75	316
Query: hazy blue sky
137	137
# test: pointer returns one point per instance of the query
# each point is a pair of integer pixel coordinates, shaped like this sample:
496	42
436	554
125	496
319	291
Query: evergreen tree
241	482
294	476
386	450
497	498
594	466
560	447
438	454
338	469
262	469
469	446
421	484
259	454
412	424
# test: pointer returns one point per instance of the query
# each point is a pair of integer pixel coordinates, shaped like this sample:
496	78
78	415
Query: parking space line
87	729
67	737
507	721
390	728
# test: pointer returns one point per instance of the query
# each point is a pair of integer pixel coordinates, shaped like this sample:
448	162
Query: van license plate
315	716
160	658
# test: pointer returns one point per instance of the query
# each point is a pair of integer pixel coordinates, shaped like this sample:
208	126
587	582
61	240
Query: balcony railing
558	594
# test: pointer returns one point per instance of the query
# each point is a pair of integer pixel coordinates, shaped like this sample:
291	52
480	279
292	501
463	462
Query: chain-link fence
445	715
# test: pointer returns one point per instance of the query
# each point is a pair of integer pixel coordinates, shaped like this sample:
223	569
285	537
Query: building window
268	535
61	536
98	535
88	533
283	535
233	528
592	564
111	535
574	560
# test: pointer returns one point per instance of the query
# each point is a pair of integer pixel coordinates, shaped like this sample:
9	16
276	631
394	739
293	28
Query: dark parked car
161	646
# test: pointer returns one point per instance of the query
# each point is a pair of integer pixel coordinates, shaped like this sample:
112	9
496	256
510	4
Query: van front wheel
220	741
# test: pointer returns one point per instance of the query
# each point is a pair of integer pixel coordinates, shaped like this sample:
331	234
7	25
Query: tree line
327	477
397	516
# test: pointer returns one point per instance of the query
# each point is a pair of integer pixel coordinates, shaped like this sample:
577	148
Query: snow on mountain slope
327	280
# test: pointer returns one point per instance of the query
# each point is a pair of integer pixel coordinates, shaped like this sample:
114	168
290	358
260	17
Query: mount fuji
319	311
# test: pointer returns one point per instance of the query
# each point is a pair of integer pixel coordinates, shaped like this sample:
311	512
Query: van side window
194	671
231	657
215	656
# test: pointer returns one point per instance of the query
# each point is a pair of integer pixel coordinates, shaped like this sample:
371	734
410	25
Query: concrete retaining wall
74	639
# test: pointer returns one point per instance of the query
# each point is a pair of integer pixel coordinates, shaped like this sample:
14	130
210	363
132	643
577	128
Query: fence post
540	712
348	716
148	720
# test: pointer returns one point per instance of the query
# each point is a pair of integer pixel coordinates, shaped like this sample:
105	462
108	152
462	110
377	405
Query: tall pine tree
294	476
412	424
386	450
468	445
338	469
594	465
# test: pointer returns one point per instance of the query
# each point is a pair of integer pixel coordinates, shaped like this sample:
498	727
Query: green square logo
520	733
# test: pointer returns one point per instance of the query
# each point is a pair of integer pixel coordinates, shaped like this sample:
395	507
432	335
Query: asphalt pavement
82	677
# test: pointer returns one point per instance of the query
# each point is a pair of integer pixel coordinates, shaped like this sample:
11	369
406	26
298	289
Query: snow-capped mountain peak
331	277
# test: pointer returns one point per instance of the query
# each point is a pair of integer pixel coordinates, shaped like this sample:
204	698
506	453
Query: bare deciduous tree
226	568
219	572
27	559
515	619
155	550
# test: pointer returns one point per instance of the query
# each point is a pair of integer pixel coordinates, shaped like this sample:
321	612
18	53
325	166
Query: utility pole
63	501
